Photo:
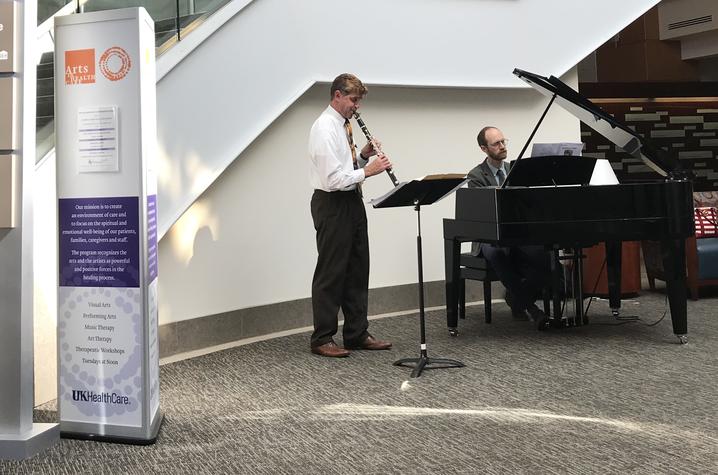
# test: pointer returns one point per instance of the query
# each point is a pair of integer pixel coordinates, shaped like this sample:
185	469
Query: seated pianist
523	270
542	211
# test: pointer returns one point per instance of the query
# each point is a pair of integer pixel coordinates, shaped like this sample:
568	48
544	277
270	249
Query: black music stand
415	193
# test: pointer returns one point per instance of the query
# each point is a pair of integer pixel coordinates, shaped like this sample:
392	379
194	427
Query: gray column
19	436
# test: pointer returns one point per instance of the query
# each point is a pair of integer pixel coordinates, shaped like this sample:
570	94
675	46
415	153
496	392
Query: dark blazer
482	176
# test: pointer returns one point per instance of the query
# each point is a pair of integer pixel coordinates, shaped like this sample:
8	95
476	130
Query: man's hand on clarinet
376	166
369	151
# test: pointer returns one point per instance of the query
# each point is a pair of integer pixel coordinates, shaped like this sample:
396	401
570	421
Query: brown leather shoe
331	350
370	343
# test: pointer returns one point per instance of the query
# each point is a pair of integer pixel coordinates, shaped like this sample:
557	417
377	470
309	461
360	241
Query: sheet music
442	176
562	148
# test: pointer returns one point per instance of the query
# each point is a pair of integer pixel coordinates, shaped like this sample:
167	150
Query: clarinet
376	146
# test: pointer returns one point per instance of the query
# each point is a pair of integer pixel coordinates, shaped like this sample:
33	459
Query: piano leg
556	319
452	254
674	266
613	274
578	287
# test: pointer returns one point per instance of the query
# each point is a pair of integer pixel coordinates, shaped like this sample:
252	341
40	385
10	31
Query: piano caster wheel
682	339
615	312
453	331
543	324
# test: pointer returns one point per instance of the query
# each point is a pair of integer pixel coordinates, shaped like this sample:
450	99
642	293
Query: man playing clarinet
336	172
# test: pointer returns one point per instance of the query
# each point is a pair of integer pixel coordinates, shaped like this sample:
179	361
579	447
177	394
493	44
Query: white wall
249	239
245	74
46	276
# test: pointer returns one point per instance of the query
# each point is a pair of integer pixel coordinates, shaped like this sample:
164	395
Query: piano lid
603	123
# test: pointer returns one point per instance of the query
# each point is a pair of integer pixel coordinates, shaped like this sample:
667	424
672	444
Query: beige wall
249	240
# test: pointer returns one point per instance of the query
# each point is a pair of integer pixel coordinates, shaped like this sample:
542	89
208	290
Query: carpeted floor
603	398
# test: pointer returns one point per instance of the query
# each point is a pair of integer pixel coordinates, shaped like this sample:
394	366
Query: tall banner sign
108	355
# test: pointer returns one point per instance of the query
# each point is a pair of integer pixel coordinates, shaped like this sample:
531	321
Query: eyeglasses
503	142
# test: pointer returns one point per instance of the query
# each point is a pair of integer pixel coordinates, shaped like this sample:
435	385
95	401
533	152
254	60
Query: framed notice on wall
97	145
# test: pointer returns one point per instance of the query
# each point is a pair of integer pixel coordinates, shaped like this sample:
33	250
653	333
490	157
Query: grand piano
575	217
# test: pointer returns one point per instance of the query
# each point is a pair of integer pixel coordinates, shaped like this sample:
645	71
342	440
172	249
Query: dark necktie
350	138
500	176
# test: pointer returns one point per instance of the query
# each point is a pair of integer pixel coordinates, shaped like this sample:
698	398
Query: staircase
166	29
45	106
165	35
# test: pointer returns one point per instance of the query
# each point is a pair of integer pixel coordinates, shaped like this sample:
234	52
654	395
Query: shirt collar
494	169
334	114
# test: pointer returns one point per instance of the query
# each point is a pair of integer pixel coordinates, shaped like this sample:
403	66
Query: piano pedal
578	322
544	323
554	323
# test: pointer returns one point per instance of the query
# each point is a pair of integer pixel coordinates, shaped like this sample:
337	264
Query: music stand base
424	362
417	193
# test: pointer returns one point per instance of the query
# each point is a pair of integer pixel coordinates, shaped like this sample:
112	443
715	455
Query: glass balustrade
47	8
173	20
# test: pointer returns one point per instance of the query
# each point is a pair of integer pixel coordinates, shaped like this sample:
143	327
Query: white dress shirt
331	167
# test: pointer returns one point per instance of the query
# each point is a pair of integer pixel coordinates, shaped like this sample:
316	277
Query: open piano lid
605	124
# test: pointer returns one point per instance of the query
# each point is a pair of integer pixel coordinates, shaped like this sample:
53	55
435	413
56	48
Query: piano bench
475	268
